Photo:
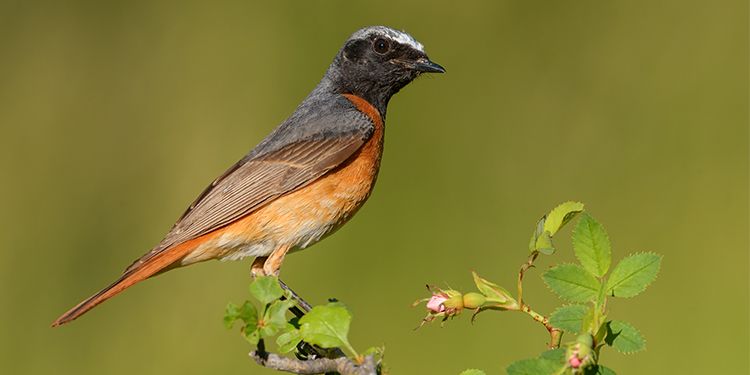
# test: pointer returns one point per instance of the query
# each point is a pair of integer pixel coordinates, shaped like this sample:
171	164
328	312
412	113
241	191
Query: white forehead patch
392	34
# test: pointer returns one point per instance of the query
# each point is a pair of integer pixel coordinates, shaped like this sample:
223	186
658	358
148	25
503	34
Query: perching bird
304	180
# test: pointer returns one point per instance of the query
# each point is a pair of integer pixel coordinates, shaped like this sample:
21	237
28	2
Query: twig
555	334
341	365
306	307
525	267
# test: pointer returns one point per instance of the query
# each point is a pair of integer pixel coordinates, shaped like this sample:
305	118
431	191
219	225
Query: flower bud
435	304
585	340
454	303
473	300
575	362
580	354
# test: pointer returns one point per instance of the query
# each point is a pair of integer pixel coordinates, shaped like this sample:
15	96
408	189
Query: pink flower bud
435	304
574	361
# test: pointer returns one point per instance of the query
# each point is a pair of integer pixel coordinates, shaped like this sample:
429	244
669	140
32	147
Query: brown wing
250	184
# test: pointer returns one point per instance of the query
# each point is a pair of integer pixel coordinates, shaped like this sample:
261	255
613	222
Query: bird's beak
427	66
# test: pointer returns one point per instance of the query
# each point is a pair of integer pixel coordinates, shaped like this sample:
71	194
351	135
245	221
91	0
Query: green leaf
472	371
327	326
288	340
572	283
589	321
569	318
491	290
633	274
266	289
599	370
591	246
561	215
601	332
554	355
537	232
274	320
624	337
544	244
230	315
377	352
533	366
246	313
251	335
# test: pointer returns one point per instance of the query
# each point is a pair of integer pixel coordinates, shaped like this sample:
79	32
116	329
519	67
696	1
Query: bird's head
377	61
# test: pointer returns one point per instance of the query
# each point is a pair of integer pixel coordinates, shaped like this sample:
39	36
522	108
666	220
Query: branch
341	365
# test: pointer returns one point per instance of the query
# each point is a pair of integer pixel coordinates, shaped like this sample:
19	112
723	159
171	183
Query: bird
302	182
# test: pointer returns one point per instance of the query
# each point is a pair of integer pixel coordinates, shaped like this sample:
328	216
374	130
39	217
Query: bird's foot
256	269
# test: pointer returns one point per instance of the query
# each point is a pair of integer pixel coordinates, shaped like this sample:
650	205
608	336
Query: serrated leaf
288	340
624	337
472	371
569	318
533	366
591	246
571	282
327	326
633	274
491	290
274	320
266	289
560	215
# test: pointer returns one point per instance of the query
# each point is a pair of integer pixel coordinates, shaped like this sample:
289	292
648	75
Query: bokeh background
115	115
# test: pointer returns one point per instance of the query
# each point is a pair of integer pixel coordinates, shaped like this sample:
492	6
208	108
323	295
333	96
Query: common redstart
304	180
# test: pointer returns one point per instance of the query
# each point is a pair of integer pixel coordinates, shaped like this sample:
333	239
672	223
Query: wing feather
251	183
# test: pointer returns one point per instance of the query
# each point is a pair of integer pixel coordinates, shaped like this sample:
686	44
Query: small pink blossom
435	304
574	361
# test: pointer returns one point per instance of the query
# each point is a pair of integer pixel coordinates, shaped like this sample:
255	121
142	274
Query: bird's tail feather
133	275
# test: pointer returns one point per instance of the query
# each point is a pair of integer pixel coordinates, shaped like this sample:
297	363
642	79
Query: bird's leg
257	268
272	264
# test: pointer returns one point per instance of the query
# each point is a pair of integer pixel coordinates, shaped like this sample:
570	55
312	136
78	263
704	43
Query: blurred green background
115	115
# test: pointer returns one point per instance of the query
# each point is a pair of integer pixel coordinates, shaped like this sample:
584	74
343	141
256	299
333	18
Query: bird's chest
323	206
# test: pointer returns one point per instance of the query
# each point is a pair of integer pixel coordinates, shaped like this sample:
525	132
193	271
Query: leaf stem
525	267
554	333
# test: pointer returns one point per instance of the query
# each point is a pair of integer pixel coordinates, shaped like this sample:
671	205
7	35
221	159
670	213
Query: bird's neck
334	83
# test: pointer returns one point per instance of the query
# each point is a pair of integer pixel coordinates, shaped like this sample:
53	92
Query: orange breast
303	217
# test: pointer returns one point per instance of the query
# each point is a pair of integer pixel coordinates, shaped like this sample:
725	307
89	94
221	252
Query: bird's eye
381	46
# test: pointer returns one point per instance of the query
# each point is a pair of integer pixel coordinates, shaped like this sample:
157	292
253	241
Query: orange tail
131	276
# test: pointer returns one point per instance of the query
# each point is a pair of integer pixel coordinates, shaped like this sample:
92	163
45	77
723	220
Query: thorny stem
525	267
554	333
